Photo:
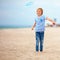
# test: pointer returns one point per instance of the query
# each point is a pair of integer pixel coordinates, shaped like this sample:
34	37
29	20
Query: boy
39	28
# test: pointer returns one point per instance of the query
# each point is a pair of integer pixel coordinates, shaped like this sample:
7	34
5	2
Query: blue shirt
40	23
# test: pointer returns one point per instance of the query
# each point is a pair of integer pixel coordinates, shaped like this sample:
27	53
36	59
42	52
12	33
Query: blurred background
21	13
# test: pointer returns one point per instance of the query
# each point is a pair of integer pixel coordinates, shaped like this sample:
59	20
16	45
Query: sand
19	44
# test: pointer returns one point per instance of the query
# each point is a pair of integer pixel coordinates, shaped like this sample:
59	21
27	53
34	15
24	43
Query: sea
14	27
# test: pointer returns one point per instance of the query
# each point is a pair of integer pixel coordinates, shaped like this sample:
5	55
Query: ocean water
13	27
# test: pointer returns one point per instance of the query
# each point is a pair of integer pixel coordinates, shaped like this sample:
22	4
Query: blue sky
23	12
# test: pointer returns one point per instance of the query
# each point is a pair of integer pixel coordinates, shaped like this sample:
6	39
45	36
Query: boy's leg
41	41
37	41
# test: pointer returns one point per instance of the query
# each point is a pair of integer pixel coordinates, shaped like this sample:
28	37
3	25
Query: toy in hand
54	23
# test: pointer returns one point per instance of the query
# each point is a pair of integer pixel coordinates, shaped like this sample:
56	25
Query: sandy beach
19	44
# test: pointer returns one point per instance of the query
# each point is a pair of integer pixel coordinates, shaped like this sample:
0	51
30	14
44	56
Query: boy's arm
51	20
33	26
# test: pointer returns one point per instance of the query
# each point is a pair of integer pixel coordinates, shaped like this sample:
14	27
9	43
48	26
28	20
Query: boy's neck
39	15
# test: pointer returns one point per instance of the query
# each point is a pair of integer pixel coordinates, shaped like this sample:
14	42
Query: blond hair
41	10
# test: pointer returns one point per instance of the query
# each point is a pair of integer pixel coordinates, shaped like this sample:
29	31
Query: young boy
39	28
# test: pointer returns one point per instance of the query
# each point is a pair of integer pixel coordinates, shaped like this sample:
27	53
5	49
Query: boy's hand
32	28
54	23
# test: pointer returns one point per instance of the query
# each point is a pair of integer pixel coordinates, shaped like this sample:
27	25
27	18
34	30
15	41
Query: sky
23	12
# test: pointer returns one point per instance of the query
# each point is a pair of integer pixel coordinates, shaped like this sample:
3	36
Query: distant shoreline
14	27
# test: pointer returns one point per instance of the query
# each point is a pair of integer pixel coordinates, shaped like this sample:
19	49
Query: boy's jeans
39	39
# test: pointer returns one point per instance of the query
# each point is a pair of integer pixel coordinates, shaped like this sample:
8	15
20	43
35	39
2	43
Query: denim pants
39	41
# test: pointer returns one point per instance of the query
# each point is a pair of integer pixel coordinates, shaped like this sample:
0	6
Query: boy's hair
41	10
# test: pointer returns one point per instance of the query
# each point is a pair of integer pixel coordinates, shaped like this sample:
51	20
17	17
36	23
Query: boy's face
39	12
